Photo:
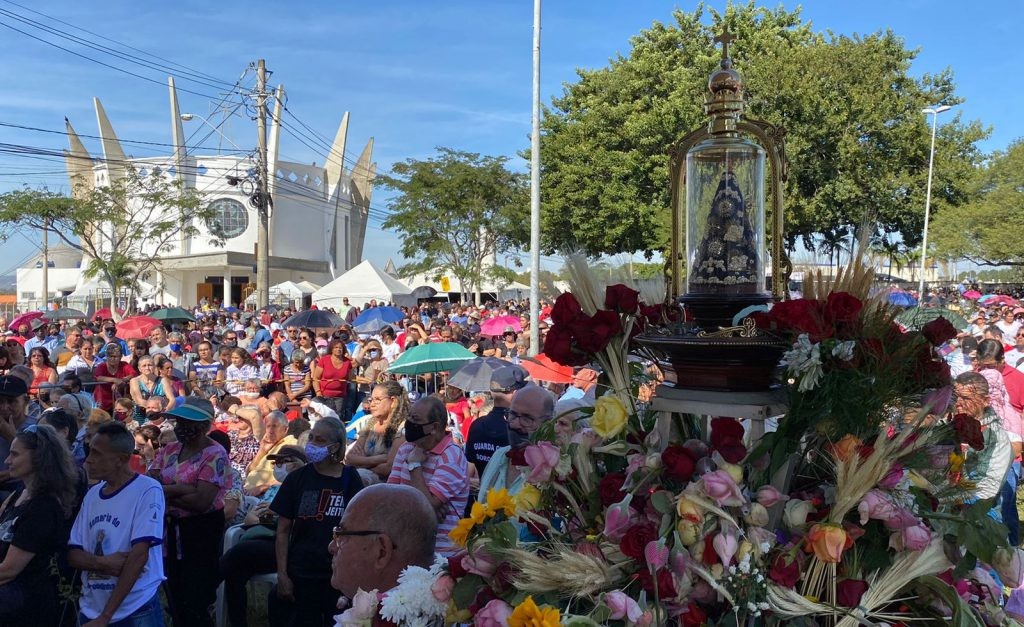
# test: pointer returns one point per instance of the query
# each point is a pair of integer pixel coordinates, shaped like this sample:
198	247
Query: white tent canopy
362	284
287	290
503	291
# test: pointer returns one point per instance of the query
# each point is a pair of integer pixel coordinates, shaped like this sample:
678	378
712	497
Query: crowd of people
127	464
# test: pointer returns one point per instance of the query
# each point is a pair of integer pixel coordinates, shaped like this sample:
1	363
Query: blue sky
414	75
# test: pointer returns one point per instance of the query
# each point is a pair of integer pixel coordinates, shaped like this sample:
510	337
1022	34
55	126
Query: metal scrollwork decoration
746	330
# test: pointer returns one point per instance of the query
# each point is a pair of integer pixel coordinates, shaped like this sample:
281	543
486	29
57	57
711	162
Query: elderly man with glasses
532	406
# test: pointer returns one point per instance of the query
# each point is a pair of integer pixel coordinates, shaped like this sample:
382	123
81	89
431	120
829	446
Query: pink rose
720	486
680	561
494	614
623	606
442	588
876	505
911	538
656	554
768	496
542	459
901	518
618	519
480	563
726	545
893	477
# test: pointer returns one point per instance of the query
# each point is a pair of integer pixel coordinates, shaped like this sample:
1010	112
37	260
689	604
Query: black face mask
343	337
414	431
110	331
517	439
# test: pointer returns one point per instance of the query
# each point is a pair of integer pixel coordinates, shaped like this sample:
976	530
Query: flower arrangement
636	523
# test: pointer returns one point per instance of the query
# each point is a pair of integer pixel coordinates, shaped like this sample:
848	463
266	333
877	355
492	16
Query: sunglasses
338	533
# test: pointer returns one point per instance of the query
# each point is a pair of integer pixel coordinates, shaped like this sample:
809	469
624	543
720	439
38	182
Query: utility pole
263	235
46	265
535	191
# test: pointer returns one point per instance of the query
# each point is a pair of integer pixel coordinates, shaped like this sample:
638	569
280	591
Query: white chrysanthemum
804	361
844	350
411	603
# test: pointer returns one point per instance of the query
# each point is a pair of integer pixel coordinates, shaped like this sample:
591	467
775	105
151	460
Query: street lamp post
188	117
934	112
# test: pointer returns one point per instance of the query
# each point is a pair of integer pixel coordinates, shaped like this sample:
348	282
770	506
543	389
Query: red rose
710	556
849	592
666	584
785	570
801	316
678	462
565	310
455	568
610	488
842	308
694	616
593	333
968	431
621	298
727	439
558	346
636	538
939	331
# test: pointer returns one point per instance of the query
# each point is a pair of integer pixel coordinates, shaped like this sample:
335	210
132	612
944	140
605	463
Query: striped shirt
446	473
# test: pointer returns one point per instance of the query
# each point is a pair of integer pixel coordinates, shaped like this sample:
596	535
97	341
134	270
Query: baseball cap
12	386
320	343
194	409
508	379
473	328
288	452
509	329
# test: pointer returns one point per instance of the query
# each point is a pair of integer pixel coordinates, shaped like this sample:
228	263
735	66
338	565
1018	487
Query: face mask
110	331
517	439
321	351
208	333
230	342
187	433
343	337
374	353
316	454
121	415
280	472
413	431
176	348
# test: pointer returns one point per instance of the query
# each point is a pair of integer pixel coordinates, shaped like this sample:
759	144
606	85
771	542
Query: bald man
532	406
385	528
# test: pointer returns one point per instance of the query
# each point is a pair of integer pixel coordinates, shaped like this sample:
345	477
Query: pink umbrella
1001	299
25	318
972	294
497	326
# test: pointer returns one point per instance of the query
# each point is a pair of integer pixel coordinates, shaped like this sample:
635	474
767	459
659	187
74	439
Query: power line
123	141
104	64
187	75
105	38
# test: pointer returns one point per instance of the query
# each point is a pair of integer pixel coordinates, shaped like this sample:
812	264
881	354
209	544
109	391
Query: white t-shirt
391	351
113	524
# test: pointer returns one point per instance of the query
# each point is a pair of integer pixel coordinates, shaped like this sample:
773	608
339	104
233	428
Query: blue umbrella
376	318
232	309
902	299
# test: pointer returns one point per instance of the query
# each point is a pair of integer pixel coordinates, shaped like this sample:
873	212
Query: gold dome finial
725	102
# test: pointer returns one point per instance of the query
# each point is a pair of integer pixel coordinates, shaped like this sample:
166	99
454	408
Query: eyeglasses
380	399
231	338
525	420
340	532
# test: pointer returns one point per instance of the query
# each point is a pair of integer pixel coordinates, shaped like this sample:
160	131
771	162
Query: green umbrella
917	317
436	357
65	313
172	314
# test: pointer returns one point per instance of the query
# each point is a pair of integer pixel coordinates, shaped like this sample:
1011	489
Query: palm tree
833	243
893	250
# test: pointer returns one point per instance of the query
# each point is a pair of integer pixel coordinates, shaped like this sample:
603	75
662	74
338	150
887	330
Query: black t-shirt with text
314	503
486	435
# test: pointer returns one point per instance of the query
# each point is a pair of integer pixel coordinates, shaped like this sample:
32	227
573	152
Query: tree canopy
857	142
454	211
122	229
987	230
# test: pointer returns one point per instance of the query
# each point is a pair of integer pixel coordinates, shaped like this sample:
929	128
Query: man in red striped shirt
434	464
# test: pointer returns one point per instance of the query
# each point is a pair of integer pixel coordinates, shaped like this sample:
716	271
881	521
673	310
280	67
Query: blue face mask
316	454
176	348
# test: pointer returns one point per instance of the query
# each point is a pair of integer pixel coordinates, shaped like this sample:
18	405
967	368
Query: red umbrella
497	326
102	314
136	328
542	368
25	318
972	294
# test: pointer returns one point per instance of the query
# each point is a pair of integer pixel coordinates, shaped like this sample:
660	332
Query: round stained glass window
230	218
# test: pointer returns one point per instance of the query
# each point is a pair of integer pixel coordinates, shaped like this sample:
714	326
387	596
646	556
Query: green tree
833	243
987	230
454	211
122	229
892	250
856	140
